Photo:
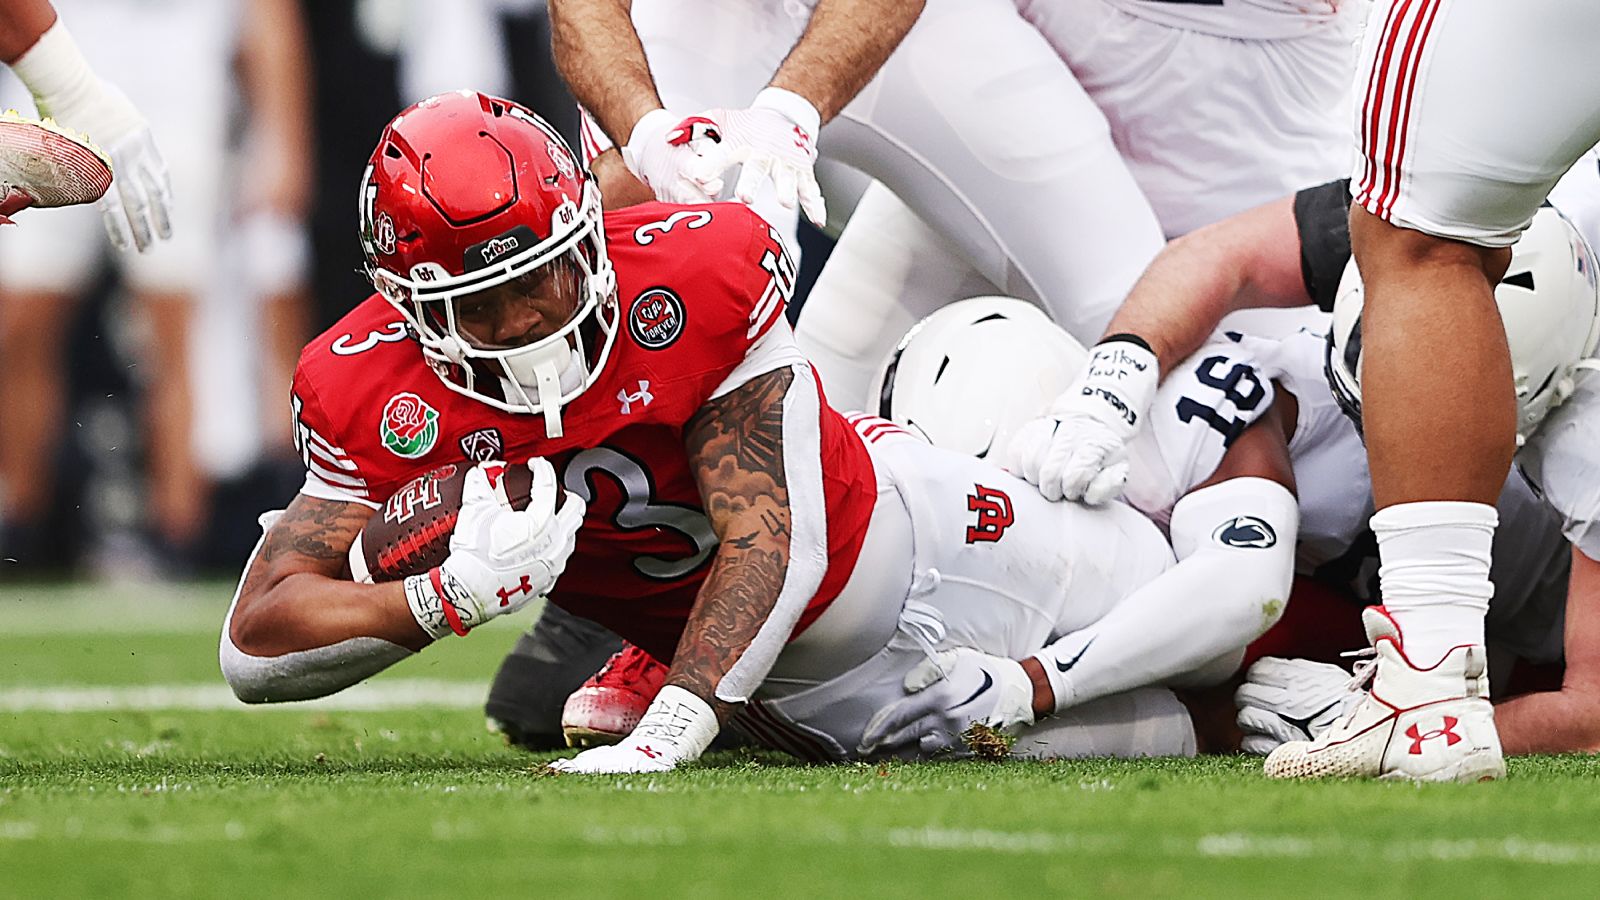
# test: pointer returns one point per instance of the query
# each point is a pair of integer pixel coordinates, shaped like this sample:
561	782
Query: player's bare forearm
297	596
736	447
21	23
1245	261
1568	720
1564	721
843	46
599	55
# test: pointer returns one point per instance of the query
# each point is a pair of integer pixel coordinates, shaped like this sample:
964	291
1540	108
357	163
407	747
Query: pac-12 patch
655	319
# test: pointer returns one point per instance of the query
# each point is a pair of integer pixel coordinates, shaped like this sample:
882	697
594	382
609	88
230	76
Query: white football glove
138	208
1286	700
663	150
946	694
677	728
775	139
1079	450
500	558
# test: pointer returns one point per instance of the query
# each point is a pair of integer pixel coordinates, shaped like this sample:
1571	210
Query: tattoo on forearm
736	447
316	529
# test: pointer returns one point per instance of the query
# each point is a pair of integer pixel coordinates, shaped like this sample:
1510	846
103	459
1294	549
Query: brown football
410	533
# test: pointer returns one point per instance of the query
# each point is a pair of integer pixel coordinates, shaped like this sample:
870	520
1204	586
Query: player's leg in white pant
1220	111
978	126
1146	722
1448	175
888	270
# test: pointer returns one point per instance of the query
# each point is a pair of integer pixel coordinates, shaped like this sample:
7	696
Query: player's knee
1384	250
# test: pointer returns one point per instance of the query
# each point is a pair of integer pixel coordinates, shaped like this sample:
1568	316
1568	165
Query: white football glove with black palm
1286	700
500	558
946	694
1079	449
138	208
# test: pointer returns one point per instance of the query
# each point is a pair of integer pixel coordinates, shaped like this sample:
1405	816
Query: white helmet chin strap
551	371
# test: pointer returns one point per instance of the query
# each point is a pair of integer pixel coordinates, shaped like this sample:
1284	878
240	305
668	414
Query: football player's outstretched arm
1245	261
297	595
1078	451
761	498
300	628
600	56
736	448
1568	720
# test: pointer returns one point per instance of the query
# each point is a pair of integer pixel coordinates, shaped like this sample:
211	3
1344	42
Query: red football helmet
465	193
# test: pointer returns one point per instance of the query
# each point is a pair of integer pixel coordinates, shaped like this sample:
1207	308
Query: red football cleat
608	706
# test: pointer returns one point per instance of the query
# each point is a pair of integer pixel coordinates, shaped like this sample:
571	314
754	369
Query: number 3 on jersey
1240	390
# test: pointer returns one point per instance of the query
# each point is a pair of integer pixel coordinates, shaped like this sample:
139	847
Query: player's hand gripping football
500	558
775	139
946	693
138	208
676	728
1286	700
1079	450
668	153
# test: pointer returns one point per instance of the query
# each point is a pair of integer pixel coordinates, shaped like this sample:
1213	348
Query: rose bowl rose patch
410	426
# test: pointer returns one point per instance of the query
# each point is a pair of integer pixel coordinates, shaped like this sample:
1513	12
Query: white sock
1435	573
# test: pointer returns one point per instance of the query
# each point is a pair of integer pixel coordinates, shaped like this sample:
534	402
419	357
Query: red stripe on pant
1372	106
1425	17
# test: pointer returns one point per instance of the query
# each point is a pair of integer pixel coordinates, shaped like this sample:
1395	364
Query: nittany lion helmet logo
1247	532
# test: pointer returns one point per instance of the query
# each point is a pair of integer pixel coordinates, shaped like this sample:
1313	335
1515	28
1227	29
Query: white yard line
414	693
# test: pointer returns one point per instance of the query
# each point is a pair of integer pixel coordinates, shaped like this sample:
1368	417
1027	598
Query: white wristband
680	718
792	106
53	69
427	606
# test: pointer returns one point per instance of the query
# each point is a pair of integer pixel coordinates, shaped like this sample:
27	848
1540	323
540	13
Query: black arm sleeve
1322	217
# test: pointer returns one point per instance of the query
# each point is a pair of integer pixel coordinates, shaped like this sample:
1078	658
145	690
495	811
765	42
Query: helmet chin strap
552	371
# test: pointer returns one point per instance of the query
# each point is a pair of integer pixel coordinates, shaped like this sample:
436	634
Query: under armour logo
526	587
1447	732
648	751
641	397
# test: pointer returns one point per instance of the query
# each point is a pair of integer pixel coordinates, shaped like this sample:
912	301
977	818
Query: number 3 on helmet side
640	509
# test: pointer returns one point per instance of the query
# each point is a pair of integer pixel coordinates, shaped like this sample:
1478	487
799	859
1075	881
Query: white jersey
1218	392
1246	19
963	555
1196	411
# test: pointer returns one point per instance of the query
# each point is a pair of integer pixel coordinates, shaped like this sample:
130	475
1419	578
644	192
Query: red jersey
697	286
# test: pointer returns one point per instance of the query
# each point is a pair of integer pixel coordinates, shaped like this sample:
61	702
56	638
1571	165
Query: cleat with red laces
608	706
1416	724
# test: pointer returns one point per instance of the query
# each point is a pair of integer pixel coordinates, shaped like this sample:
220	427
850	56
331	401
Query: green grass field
125	770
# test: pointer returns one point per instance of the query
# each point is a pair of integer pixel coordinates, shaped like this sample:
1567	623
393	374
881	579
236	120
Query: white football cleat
607	707
1433	724
43	164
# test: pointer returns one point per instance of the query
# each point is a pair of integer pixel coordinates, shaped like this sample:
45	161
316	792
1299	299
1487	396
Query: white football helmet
1548	301
968	376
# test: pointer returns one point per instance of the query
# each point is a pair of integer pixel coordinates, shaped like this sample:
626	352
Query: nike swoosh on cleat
1305	724
988	682
1065	666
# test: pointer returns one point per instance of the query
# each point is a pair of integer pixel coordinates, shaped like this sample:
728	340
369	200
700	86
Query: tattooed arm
735	446
295	595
